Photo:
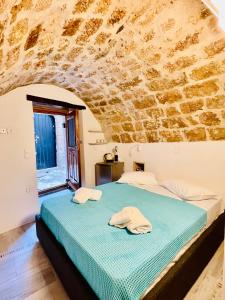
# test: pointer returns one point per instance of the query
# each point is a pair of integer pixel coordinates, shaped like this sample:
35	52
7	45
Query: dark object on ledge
108	157
138	166
174	284
120	29
108	171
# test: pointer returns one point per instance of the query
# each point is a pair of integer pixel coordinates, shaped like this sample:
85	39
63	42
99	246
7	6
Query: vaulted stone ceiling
150	70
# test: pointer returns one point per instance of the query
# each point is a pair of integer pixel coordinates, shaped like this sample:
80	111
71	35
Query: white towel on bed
82	195
132	218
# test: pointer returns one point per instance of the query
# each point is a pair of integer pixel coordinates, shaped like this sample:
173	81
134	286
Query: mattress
115	263
213	207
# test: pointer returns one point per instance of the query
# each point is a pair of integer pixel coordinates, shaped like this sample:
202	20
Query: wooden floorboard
26	273
209	284
25	270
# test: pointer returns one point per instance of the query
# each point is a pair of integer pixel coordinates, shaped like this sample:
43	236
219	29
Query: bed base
174	285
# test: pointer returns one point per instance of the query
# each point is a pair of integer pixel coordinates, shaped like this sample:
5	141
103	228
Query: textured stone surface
152	136
71	27
165	83
146	102
151	124
209	118
197	134
168	136
90	28
150	71
217	133
169	97
206	88
116	16
139	137
125	138
216	102
176	122
18	31
33	37
207	71
215	47
42	4
191	106
172	111
189	40
16	9
155	112
181	63
128	127
2	27
82	6
12	57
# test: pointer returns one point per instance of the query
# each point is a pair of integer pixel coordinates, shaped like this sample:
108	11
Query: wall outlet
28	189
3	131
138	148
26	154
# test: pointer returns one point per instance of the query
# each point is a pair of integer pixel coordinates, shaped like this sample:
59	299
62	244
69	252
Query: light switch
26	154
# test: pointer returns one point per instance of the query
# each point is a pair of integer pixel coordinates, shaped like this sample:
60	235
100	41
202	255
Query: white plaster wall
18	189
198	162
60	141
18	195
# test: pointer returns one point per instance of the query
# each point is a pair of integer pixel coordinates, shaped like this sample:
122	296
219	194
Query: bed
95	260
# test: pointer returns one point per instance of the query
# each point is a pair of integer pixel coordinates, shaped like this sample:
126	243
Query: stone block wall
150	71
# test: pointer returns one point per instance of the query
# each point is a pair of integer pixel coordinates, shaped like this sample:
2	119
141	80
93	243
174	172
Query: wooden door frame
51	110
77	137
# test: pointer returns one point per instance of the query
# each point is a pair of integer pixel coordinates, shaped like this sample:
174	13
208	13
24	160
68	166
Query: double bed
98	261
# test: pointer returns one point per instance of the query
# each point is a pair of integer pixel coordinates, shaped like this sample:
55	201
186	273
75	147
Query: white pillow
139	177
188	191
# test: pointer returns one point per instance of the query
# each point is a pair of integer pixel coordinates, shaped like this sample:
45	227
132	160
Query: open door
73	150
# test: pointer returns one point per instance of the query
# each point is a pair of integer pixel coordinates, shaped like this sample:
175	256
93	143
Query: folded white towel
82	195
132	218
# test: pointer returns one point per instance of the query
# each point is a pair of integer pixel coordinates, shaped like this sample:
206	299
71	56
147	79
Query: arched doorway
56	138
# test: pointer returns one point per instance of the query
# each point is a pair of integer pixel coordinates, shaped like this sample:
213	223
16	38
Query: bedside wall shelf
108	172
138	166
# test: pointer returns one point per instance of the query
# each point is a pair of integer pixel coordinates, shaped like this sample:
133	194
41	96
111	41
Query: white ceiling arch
218	8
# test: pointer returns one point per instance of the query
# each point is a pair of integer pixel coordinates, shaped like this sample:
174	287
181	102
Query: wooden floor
26	273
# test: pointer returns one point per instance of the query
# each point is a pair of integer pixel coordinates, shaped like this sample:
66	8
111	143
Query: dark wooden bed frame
175	283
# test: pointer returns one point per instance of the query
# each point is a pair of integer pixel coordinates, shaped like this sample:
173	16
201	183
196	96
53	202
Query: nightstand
108	172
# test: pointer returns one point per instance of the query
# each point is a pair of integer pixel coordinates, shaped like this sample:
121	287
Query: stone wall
150	71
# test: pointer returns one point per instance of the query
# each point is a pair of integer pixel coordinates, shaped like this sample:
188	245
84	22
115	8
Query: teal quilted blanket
115	263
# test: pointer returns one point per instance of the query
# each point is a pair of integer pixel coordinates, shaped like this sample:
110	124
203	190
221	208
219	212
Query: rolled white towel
132	218
82	195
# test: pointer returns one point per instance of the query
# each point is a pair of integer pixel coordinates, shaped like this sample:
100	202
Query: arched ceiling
150	70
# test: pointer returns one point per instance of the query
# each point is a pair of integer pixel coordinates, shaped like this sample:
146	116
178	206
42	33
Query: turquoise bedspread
117	264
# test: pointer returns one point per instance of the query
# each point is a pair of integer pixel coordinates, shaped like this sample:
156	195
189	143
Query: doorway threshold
61	193
53	190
